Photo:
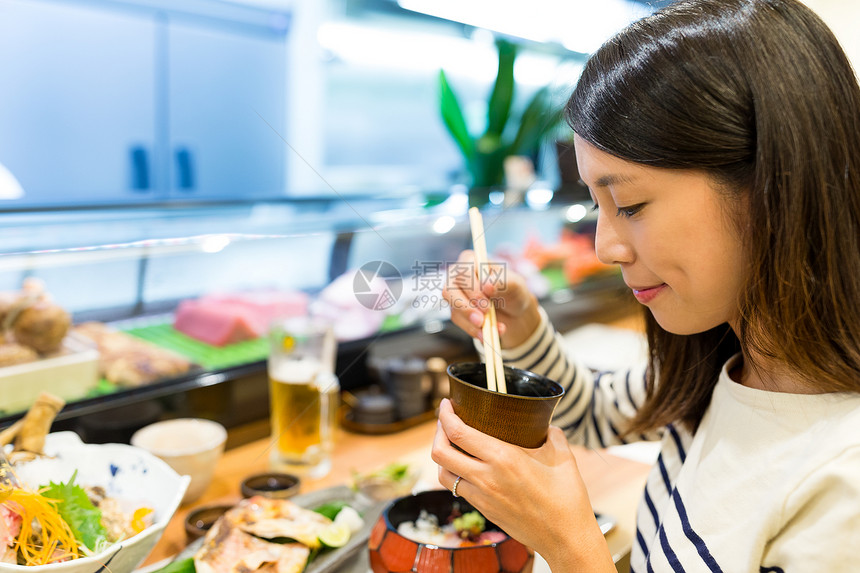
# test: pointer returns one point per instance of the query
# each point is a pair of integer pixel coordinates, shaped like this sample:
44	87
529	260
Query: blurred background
160	151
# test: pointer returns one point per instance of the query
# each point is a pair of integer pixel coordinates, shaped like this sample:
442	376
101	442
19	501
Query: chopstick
490	329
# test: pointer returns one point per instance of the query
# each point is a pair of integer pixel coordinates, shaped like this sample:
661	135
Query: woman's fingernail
476	318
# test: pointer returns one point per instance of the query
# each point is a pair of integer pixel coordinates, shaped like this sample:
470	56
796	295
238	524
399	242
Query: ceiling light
576	213
444	224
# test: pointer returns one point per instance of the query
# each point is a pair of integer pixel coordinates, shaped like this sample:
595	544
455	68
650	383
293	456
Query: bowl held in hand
521	416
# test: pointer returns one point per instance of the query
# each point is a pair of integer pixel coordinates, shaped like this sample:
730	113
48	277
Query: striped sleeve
596	407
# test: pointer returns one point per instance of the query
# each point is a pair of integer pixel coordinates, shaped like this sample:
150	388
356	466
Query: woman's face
671	234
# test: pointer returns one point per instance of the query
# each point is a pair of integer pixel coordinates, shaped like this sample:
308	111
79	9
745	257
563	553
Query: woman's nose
611	246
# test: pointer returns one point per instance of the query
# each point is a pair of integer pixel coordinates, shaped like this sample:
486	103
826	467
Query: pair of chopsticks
490	330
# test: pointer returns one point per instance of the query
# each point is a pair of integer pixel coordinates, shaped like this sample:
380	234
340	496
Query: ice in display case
374	267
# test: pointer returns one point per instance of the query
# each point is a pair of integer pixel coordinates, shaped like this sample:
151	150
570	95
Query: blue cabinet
77	113
131	102
226	130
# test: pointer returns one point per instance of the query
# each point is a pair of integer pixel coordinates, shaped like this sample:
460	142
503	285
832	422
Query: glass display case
201	282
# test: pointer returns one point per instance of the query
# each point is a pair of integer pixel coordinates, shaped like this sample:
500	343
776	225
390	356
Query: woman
720	140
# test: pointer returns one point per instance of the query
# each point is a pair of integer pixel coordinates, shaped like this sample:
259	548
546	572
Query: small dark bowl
200	519
390	552
271	484
520	417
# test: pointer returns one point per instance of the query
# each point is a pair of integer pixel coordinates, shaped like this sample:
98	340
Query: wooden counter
614	484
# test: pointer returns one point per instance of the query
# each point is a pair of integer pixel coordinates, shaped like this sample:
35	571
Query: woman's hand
536	496
516	307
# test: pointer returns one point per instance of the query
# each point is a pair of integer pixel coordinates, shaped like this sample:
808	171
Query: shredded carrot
53	540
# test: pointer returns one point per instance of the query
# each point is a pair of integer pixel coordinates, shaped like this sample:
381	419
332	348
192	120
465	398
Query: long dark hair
758	94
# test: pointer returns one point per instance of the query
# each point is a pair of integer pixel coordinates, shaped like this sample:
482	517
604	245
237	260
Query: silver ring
456	483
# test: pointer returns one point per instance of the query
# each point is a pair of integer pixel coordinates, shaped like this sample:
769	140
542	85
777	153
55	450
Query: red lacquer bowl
390	552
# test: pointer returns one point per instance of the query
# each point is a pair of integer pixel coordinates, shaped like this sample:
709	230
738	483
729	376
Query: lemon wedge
335	535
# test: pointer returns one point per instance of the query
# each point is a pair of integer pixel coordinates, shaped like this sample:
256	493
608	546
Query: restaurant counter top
614	484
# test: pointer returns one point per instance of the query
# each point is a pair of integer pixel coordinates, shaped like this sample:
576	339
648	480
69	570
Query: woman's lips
647	294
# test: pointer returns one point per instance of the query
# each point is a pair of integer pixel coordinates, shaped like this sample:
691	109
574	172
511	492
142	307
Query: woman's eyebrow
613	179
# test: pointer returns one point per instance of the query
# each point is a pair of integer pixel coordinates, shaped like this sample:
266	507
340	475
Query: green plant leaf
487	169
499	108
488	143
452	115
539	118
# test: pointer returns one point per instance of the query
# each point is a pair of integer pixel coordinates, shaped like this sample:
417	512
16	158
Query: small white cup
191	446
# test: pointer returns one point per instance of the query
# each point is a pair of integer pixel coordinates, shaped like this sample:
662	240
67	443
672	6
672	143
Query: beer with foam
304	398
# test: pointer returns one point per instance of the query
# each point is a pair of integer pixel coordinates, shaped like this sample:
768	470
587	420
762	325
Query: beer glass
304	395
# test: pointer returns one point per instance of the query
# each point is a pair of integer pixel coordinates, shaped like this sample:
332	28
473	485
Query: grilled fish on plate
234	543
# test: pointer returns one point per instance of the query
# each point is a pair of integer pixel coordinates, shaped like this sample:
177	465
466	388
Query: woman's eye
630	211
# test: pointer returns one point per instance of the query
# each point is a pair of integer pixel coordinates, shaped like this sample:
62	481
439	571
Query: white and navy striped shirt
770	482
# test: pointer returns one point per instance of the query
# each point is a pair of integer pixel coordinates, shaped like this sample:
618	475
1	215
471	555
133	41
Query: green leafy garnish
470	525
331	509
181	566
312	555
76	509
393	472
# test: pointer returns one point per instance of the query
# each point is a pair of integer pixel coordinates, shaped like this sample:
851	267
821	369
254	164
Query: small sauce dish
200	519
271	484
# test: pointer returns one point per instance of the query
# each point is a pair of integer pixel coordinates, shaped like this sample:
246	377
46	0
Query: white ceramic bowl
125	472
191	446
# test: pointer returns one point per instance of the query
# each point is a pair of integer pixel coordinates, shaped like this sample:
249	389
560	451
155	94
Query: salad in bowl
82	508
